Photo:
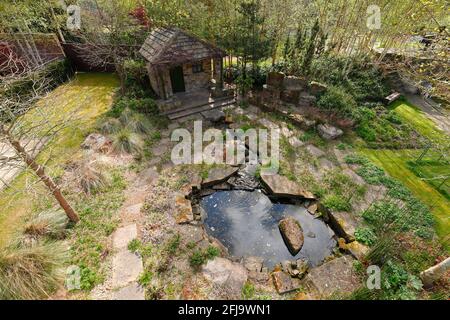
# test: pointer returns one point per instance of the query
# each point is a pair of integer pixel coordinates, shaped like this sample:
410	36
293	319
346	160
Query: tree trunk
48	181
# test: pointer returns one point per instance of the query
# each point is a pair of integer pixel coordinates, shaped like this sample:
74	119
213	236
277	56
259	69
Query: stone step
191	111
172	111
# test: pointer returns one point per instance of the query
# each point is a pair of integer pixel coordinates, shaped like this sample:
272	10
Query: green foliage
357	76
199	257
134	245
365	236
145	278
212	252
335	202
397	283
173	244
248	290
143	105
337	100
97	221
381	128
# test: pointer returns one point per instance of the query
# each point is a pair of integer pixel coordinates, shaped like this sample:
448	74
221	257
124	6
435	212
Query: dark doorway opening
177	79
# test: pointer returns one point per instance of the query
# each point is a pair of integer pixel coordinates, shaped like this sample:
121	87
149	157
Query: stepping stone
131	292
335	276
124	235
133	210
314	151
126	267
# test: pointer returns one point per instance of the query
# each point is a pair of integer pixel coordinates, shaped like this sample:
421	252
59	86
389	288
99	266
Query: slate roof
173	46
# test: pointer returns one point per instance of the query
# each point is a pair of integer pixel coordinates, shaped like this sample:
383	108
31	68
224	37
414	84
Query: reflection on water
247	224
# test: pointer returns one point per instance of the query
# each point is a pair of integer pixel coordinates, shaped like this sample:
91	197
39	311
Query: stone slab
122	236
126	267
132	291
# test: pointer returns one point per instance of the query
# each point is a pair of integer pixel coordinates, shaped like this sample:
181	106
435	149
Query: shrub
337	100
173	244
31	272
89	177
139	123
125	141
51	224
212	252
197	258
110	126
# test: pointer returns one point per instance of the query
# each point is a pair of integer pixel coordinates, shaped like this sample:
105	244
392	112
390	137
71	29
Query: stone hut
179	62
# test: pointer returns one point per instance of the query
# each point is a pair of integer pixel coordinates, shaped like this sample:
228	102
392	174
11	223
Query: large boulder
329	132
227	277
317	88
292	234
97	142
335	276
283	187
275	79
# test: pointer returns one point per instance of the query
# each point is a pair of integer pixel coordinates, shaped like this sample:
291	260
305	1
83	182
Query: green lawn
418	120
394	162
89	95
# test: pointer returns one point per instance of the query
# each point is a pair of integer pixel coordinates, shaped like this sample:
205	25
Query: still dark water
247	224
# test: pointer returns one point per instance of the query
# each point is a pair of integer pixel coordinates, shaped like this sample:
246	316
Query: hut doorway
177	79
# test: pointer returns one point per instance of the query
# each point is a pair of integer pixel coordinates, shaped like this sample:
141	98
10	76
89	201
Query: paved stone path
127	266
